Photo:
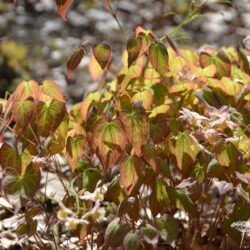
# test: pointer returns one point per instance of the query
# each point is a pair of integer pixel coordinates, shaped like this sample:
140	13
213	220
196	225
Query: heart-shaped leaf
23	112
22	186
115	233
150	235
185	146
74	150
51	89
158	57
102	53
9	157
131	241
75	60
109	141
134	47
130	173
49	116
136	127
168	228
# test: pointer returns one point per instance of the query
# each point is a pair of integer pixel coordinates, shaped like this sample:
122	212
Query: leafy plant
157	156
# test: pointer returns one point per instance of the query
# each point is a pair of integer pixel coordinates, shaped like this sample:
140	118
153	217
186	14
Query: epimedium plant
158	156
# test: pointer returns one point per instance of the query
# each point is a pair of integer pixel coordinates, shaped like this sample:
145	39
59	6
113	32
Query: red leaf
75	60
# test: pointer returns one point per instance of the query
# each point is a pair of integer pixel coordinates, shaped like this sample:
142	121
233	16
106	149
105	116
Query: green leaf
130	173
102	53
131	241
90	178
181	199
160	93
199	172
222	64
150	235
227	155
109	141
58	141
161	192
49	116
146	97
158	57
225	85
115	193
115	233
137	129
134	47
52	90
185	146
74	150
168	228
9	157
23	112
27	228
147	39
244	63
25	185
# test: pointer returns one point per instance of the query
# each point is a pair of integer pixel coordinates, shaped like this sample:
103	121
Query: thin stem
113	13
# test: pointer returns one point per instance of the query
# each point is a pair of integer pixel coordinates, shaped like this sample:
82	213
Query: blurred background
35	42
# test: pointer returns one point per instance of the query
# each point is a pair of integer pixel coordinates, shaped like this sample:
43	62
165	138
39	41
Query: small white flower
97	213
192	117
73	222
243	227
97	195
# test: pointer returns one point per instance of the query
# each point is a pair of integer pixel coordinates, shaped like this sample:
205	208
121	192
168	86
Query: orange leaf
130	173
109	141
62	6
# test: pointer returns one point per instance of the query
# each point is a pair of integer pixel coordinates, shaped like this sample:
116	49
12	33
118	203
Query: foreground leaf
131	241
185	147
168	228
130	173
115	233
158	57
74	150
137	129
9	157
49	116
23	112
150	235
102	53
109	141
51	89
25	185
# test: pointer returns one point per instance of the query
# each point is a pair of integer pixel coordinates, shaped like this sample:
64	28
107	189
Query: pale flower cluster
208	128
96	213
